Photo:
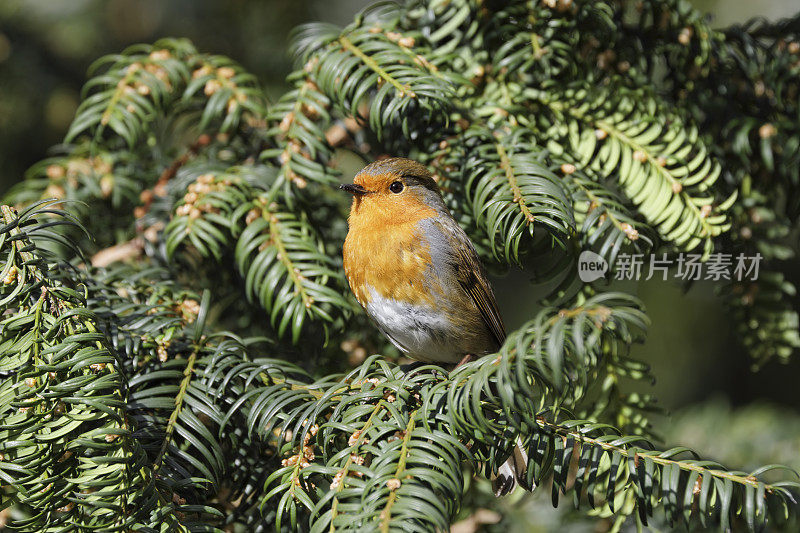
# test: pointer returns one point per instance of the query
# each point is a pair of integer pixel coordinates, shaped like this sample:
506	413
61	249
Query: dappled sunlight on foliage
179	347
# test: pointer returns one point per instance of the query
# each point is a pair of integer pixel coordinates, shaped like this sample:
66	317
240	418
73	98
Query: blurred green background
704	379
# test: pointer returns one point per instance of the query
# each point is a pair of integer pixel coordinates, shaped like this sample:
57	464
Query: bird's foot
466	359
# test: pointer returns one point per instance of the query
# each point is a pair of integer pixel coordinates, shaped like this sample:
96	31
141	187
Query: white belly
419	331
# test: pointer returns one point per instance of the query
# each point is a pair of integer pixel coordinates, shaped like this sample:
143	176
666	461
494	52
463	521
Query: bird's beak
354	189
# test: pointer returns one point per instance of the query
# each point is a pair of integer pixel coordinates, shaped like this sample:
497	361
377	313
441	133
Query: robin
417	275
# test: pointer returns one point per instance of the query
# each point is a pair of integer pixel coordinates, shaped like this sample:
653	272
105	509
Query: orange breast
387	254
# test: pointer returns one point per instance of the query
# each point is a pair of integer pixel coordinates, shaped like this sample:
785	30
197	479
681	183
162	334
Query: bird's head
394	190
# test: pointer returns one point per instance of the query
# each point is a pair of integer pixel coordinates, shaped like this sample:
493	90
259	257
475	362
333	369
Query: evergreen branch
149	195
402	90
145	81
684	484
136	85
69	451
451	30
657	164
509	186
283	256
386	514
759	295
754	126
678	35
765	318
226	88
360	67
559	351
604	222
95	178
286	270
518	198
301	149
352	438
173	418
538	43
606	399
126	404
205	214
181	389
343	473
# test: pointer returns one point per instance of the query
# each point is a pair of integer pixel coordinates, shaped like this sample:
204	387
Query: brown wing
472	278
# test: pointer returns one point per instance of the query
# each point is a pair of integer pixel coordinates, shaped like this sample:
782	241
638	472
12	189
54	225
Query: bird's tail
512	471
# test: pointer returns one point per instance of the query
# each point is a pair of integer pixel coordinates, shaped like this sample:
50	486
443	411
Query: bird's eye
396	187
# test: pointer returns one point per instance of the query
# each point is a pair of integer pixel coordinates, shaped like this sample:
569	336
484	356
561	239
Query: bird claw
468	358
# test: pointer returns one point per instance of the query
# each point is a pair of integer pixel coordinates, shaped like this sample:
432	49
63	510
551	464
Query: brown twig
119	252
160	188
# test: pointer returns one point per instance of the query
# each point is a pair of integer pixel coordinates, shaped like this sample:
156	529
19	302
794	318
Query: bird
417	276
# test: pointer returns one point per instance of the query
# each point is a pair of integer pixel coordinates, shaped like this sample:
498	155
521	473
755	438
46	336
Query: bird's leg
466	359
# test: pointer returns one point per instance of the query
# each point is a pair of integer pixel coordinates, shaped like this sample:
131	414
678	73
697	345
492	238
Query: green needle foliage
179	348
